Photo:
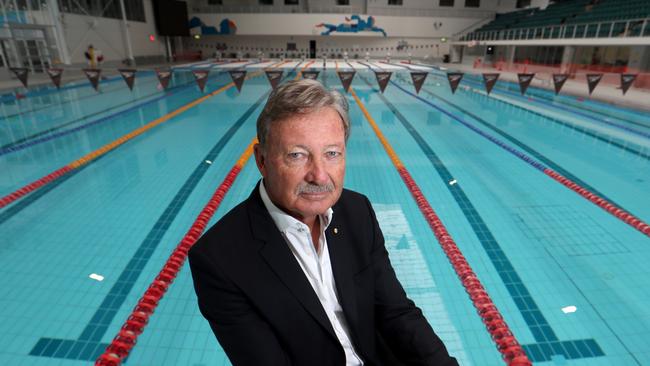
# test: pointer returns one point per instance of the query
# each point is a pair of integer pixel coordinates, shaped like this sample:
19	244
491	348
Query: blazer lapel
342	259
278	256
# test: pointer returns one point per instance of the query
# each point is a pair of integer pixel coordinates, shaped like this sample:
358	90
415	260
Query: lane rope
27	189
126	338
506	343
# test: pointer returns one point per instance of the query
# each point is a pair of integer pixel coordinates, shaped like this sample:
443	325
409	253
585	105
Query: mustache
314	188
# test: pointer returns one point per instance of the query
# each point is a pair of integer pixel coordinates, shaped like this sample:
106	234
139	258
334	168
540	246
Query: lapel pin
336	230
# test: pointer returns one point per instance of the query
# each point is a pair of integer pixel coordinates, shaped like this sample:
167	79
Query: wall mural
226	26
353	24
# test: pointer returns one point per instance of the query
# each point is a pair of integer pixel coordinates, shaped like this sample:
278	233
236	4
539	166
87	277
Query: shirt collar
285	221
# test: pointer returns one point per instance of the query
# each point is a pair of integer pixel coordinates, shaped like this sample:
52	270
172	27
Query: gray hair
302	96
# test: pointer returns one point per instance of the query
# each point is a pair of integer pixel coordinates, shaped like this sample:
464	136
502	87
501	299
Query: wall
106	34
373	7
305	24
432	48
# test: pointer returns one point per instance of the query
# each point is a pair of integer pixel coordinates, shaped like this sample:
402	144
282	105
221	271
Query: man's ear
260	159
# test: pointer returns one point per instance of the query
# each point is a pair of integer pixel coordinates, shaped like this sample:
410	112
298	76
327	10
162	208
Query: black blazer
263	310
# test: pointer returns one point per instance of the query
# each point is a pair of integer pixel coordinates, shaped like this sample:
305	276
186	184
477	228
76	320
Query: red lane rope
507	344
4	201
619	213
126	338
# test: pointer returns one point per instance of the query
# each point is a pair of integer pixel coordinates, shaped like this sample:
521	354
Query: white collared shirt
317	267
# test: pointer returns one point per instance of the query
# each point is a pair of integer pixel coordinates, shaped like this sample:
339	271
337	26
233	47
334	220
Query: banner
129	76
558	81
383	77
55	75
201	77
490	80
524	81
163	77
274	77
418	78
310	74
21	74
592	81
346	78
626	81
93	76
454	79
238	77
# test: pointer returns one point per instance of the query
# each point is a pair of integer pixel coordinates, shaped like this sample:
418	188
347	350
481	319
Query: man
298	274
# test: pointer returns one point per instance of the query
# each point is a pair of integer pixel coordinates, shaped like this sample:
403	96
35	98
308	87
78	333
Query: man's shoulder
232	227
352	200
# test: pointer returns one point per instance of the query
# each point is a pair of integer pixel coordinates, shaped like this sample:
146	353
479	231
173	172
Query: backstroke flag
55	75
454	79
238	77
274	77
626	81
21	74
163	77
201	77
93	76
346	78
418	78
310	74
490	80
383	77
524	81
129	76
558	81
592	81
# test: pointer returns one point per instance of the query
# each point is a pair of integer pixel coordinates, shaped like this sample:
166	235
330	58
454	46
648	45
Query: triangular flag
558	81
490	80
55	75
93	76
626	81
129	76
21	74
163	77
383	77
238	77
346	78
274	77
592	81
418	78
310	74
524	81
454	79
201	77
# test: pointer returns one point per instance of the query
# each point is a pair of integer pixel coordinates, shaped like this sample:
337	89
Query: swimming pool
568	276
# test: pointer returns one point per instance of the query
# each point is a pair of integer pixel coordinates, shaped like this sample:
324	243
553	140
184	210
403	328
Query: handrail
636	27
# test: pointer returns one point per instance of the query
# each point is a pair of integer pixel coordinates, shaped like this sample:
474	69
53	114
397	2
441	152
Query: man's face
303	163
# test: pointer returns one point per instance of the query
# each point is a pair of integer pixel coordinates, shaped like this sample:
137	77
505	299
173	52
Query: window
105	8
395	2
266	2
290	2
447	3
342	2
472	3
522	3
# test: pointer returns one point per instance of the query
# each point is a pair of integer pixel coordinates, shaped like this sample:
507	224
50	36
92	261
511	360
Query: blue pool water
537	247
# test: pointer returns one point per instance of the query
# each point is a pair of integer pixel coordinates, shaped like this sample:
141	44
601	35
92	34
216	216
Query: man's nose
317	173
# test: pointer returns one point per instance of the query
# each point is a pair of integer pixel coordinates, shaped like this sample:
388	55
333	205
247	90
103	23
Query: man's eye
333	154
294	155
